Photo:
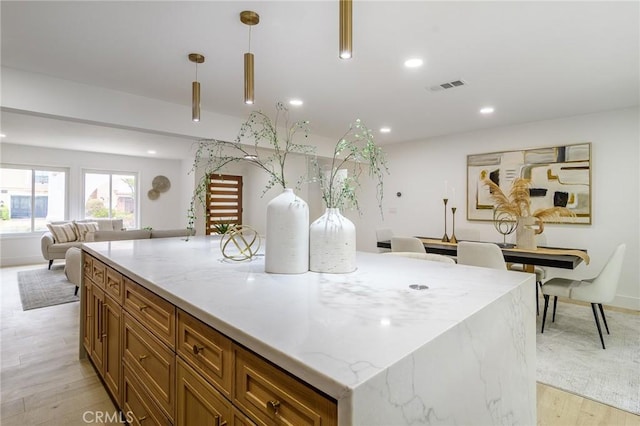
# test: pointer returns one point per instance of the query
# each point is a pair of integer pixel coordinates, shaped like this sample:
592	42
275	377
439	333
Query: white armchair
486	255
405	244
598	290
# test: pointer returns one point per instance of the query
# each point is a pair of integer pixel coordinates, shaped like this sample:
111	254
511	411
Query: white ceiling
530	60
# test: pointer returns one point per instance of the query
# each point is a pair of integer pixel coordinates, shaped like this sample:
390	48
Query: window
31	197
111	195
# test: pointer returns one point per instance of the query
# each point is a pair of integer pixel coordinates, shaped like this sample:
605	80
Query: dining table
554	257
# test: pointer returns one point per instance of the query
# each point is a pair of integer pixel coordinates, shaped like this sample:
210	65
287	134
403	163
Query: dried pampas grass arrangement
518	202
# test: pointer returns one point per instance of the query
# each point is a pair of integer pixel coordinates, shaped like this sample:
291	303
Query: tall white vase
287	246
332	243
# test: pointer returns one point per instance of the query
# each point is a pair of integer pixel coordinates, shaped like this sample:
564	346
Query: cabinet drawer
152	362
114	284
206	350
152	311
98	273
138	408
199	403
87	265
272	396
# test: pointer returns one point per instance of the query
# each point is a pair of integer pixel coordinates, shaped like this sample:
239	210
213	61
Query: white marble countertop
333	331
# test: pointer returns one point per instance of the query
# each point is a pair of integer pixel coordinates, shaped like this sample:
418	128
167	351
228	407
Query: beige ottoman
73	266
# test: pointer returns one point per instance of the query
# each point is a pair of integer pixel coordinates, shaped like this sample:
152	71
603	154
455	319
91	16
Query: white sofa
108	230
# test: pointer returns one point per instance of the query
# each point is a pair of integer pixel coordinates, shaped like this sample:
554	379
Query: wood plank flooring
42	382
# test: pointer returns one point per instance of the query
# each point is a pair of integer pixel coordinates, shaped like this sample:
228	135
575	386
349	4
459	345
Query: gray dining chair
486	255
598	290
405	244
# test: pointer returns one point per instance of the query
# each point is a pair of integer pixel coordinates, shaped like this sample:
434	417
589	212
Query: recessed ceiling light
151	151
486	110
385	129
413	63
2	135
295	102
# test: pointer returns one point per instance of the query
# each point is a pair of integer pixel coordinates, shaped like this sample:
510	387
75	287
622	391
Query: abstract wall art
560	176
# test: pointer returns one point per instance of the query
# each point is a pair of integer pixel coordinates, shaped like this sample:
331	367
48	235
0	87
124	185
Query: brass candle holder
453	238
445	238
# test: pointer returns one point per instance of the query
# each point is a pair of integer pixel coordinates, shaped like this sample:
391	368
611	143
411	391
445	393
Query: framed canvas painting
560	177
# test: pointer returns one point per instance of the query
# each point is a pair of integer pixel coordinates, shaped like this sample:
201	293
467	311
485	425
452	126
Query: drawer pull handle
143	307
216	421
113	284
275	405
104	335
197	349
142	419
141	357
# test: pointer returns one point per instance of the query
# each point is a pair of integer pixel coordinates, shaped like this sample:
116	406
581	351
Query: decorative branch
354	151
259	143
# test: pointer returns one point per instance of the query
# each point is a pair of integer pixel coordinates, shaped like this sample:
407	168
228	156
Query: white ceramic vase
332	243
287	245
526	230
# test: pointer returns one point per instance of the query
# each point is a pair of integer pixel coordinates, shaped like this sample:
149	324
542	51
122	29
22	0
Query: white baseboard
627	302
19	261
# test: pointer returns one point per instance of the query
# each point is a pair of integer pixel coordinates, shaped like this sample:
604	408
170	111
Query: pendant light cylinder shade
195	101
346	42
248	78
195	87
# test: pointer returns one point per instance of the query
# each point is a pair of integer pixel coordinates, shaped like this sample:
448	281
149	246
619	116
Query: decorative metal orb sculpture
504	223
240	243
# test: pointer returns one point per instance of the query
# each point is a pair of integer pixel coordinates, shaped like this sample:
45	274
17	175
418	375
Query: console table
398	341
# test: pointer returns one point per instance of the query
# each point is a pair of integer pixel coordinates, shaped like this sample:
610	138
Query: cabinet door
137	407
97	331
199	403
87	301
152	361
112	347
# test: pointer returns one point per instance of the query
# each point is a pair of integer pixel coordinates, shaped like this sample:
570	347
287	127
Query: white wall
167	212
419	170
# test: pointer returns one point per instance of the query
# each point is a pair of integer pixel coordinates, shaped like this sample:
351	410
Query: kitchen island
397	342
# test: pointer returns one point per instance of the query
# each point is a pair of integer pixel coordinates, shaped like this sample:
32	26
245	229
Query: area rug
570	356
44	287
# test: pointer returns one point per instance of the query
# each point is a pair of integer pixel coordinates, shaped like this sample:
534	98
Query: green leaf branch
261	142
354	152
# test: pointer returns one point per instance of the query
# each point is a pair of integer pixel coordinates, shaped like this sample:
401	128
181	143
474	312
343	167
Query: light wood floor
42	382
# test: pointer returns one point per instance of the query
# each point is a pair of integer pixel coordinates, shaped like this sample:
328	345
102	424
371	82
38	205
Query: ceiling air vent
448	85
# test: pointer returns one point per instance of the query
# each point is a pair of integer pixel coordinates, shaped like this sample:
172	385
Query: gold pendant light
195	88
346	42
249	18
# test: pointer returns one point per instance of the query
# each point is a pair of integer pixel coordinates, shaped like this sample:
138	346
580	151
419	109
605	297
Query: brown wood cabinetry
163	366
272	396
199	403
112	319
101	328
155	313
152	361
138	408
206	350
